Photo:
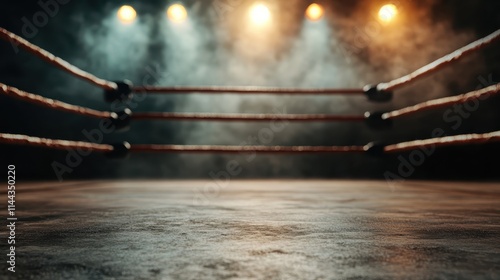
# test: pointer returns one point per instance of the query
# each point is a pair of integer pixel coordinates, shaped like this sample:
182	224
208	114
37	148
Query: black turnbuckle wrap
120	150
122	93
376	120
121	120
376	95
375	149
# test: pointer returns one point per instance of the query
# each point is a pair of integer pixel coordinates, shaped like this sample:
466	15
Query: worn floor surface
255	230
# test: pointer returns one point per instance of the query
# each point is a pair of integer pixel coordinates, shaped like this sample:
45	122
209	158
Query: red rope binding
52	59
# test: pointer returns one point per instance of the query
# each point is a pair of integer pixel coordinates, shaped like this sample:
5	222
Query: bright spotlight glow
314	12
126	14
260	14
387	13
177	13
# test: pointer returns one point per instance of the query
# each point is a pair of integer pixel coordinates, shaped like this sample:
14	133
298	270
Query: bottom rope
124	148
465	139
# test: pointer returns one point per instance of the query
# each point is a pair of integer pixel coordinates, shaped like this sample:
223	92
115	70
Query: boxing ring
225	229
123	91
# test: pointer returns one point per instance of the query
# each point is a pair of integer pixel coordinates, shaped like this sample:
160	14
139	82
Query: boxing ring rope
65	107
247	117
440	63
108	85
411	110
16	139
443	102
389	86
385	87
54	60
246	90
123	90
247	149
50	103
465	139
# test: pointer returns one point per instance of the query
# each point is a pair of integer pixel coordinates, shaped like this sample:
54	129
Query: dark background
347	49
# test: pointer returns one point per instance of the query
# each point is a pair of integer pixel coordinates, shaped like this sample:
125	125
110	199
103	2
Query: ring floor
255	230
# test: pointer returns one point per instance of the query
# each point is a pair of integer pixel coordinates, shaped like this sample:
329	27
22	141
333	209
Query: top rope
112	86
52	59
440	63
377	93
246	90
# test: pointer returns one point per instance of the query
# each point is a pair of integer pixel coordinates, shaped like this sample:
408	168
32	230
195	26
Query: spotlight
126	14
387	13
177	13
314	12
260	14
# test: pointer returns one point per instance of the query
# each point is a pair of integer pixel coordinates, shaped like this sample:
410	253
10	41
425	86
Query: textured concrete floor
256	230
